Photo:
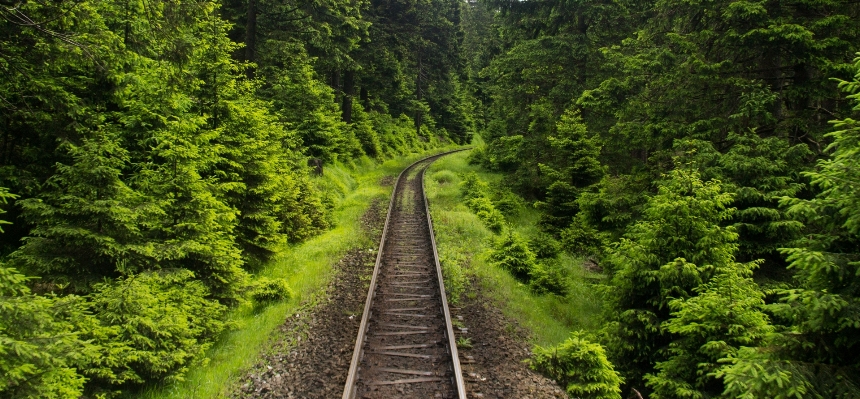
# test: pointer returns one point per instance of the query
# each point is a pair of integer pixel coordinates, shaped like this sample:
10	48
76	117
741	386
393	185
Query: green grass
464	243
308	269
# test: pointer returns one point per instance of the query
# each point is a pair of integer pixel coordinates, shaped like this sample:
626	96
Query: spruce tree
673	250
87	223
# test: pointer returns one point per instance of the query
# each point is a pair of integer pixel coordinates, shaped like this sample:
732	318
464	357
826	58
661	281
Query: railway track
406	346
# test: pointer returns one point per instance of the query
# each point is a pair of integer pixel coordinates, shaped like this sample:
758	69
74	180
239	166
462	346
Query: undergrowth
467	244
297	276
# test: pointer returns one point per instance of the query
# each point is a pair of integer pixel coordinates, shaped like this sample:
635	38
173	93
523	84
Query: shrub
489	215
508	203
266	290
548	277
545	246
473	187
40	349
512	253
583	239
478	156
154	325
580	366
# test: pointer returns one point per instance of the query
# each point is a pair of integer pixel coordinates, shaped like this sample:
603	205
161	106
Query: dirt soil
311	354
495	365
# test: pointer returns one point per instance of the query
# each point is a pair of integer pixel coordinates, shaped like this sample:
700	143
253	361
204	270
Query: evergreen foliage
676	247
512	253
40	346
580	366
152	325
720	320
158	153
268	290
476	194
815	354
572	165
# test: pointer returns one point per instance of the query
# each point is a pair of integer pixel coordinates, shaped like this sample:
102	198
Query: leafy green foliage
476	194
580	366
545	246
41	349
484	209
723	317
758	172
547	277
87	220
571	166
153	325
512	253
266	290
677	246
817	349
155	161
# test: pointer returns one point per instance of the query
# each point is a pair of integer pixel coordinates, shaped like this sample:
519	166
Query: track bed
405	346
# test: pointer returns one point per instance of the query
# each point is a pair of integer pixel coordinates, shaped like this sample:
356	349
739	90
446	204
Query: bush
547	277
505	201
154	325
40	350
580	366
489	215
473	187
582	239
545	246
266	290
512	253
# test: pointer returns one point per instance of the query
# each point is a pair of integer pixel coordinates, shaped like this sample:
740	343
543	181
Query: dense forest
705	156
155	153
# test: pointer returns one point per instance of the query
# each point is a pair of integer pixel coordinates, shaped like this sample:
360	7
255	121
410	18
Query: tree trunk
348	92
251	35
365	98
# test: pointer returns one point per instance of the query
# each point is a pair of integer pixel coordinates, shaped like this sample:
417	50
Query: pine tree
571	166
672	251
816	354
40	347
580	366
87	224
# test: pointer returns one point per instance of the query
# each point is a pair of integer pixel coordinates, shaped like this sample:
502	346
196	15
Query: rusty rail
424	359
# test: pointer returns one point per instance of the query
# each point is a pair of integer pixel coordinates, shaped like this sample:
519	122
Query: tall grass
464	243
308	267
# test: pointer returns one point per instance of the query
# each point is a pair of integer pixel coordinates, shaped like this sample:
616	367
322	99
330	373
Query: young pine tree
87	223
580	366
571	165
818	352
673	250
40	346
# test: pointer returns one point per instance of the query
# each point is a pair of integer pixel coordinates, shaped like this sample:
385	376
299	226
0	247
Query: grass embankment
307	267
464	243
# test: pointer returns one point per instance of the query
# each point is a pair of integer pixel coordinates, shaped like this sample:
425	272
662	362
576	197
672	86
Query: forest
702	154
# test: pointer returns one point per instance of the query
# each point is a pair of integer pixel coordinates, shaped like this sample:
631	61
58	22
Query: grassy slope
464	243
307	267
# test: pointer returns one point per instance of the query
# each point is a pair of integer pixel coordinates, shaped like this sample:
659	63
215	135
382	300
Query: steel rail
350	387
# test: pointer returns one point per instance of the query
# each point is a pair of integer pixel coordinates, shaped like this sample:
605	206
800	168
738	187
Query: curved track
405	346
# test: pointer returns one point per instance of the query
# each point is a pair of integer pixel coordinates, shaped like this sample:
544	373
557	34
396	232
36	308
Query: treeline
704	155
153	154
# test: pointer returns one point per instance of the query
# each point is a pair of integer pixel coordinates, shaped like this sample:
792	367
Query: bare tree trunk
348	92
251	35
